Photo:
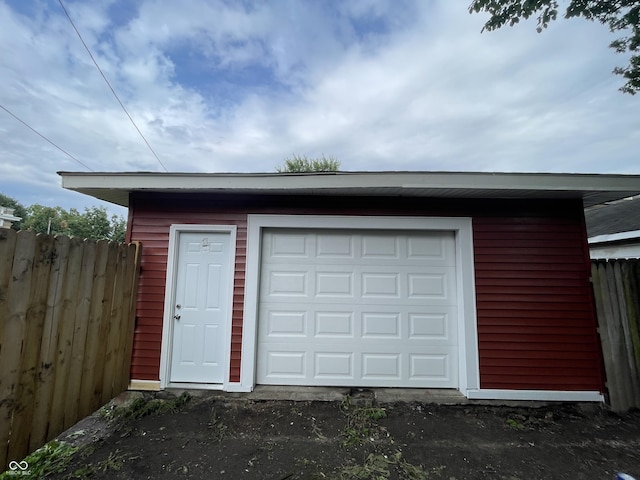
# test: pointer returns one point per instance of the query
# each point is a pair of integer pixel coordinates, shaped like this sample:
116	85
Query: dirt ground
213	437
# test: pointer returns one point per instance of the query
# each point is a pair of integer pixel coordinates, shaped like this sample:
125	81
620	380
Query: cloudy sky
238	86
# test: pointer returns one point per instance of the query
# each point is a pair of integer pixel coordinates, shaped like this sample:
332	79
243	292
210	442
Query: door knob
177	317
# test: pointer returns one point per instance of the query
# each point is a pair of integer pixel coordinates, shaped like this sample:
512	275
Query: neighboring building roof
614	229
7	217
613	218
591	188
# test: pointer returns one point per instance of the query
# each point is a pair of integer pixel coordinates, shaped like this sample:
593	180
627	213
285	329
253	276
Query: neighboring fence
616	286
66	333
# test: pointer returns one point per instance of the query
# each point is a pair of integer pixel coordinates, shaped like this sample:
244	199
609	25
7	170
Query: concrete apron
358	395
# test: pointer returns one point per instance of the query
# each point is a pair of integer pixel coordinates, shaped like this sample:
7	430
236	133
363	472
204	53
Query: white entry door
201	310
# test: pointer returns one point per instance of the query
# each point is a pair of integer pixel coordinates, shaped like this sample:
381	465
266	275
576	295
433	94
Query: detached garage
471	281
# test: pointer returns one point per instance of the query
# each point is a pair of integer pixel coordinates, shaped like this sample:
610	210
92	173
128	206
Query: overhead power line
110	87
43	137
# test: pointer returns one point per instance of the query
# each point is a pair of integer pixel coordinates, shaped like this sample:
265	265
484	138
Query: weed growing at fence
54	457
361	422
378	466
142	407
218	429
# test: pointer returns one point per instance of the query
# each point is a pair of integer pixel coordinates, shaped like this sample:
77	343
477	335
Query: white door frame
468	373
169	300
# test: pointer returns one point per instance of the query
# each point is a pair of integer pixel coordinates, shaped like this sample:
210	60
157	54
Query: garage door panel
438	248
333	366
286	323
351	308
380	285
334	324
381	366
422	323
325	283
288	246
433	286
437	327
437	368
335	284
334	245
380	247
285	364
288	283
381	326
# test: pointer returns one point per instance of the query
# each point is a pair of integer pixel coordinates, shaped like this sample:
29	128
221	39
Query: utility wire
110	87
42	136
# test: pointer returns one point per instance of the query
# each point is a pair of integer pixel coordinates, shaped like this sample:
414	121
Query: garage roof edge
593	189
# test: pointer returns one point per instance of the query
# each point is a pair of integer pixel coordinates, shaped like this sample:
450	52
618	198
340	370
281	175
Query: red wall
536	323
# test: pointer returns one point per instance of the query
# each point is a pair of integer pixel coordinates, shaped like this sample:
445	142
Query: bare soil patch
213	437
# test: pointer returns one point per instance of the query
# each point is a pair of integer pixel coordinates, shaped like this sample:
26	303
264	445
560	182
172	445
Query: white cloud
222	86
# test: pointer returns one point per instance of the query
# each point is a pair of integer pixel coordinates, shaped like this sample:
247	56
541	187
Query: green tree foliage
302	164
621	16
94	223
43	219
18	209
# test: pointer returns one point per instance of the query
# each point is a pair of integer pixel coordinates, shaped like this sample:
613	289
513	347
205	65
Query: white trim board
144	385
167	323
536	395
469	377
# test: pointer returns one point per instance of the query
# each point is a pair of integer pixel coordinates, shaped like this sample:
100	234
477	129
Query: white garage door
357	308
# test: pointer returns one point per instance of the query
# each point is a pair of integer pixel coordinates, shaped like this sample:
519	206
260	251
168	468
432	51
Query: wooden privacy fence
66	333
616	287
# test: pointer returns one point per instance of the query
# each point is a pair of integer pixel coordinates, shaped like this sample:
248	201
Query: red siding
149	224
536	323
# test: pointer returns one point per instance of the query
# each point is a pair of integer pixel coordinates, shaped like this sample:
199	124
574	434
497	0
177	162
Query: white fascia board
615	237
409	180
536	395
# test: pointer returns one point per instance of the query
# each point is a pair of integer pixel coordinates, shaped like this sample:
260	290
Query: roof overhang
632	236
593	189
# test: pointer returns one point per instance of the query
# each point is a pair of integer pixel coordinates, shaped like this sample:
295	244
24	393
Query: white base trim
145	385
195	386
536	395
238	387
155	386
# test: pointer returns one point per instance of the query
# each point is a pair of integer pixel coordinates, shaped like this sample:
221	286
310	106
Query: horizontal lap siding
536	324
149	224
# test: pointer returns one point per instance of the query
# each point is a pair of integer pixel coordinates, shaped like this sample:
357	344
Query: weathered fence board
617	296
70	290
66	324
83	305
52	320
